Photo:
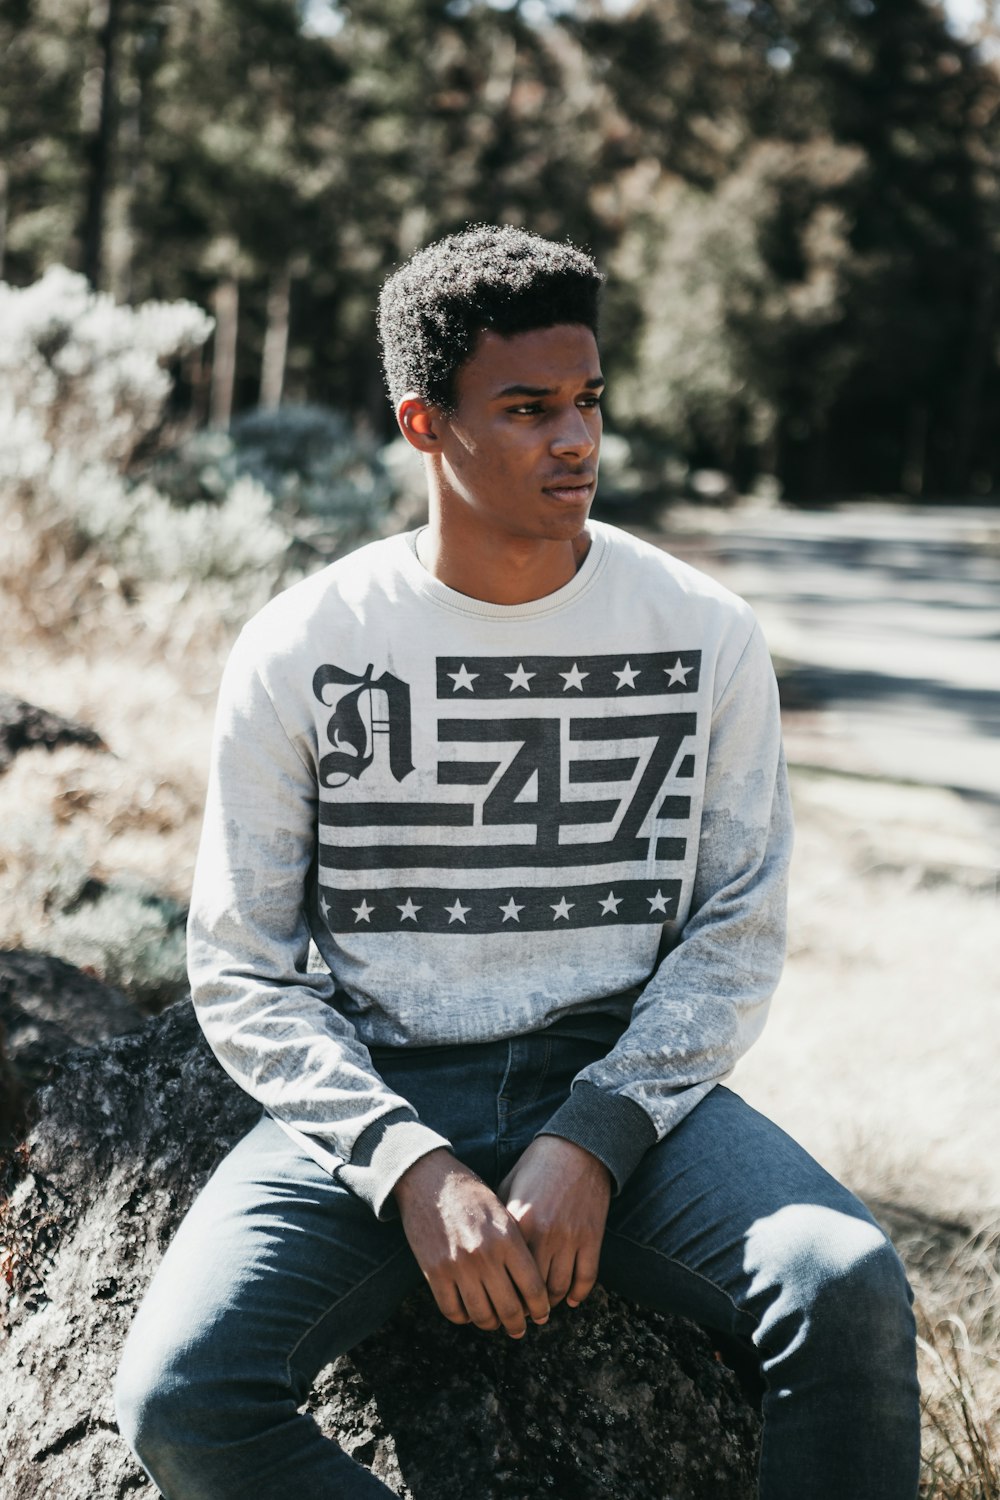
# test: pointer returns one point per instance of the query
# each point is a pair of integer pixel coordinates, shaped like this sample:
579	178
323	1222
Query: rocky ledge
607	1401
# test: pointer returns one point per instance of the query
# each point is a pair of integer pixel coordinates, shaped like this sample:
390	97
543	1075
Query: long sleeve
273	1024
707	1001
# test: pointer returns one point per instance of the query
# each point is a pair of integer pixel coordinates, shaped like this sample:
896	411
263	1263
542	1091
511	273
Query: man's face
519	454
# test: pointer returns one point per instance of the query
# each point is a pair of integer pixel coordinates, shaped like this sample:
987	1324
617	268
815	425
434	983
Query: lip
573	487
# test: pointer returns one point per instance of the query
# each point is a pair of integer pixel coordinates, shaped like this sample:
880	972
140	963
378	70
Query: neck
515	570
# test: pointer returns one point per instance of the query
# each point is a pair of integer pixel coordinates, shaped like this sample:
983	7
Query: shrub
80	375
83	387
127	935
307	457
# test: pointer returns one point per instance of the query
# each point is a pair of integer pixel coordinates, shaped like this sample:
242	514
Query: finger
584	1276
479	1308
528	1281
508	1305
448	1301
560	1277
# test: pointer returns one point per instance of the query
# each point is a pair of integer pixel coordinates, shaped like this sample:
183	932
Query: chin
567	527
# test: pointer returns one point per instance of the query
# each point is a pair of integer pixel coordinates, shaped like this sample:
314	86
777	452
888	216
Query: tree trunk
227	314
272	365
978	348
4	180
100	148
915	452
121	208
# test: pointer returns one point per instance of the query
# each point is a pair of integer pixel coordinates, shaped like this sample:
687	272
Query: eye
590	402
527	409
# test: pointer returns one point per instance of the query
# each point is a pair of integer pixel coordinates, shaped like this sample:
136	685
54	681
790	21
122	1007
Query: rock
48	1007
606	1401
22	726
12	1098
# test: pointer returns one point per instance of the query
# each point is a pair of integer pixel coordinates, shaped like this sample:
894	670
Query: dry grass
955	1274
882	1056
961	1451
145	670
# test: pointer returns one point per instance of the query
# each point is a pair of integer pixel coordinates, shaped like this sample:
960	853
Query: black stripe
397	814
675	807
670	848
634	727
614	851
603	770
611	903
466	772
635	674
588	812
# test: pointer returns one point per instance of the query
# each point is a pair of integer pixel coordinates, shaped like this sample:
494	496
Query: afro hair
494	278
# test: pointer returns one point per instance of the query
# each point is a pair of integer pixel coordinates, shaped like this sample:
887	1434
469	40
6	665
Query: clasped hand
496	1259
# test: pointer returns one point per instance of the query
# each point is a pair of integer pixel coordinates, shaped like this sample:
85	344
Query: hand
559	1194
468	1246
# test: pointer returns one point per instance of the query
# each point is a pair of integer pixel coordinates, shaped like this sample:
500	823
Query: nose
575	437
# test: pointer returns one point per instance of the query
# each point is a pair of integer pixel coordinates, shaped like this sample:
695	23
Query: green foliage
732	339
81	377
807	191
128	936
120	929
83	386
312	461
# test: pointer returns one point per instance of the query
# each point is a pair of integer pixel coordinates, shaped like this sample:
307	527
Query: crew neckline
448	598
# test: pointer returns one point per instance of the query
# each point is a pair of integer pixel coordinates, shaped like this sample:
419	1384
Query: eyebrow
544	390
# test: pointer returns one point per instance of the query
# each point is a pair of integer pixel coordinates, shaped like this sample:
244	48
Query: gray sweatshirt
492	820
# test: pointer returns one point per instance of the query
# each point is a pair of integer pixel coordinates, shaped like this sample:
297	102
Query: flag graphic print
547	768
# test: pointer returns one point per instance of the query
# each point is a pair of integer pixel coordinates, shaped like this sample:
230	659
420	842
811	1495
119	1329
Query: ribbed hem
614	1129
382	1153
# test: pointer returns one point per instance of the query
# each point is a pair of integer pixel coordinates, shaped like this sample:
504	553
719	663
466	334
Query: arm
271	1023
274	1027
707	1001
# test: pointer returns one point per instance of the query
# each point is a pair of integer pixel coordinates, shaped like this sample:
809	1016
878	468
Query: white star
362	913
677	673
324	907
457	912
626	677
610	904
463	678
511	910
409	911
562	909
519	678
658	902
574	678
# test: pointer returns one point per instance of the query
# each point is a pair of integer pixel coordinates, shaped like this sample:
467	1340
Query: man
520	778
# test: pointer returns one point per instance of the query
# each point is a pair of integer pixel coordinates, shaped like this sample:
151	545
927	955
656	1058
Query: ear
419	422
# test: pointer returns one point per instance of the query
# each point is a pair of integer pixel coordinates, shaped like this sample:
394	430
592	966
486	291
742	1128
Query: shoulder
347	588
659	577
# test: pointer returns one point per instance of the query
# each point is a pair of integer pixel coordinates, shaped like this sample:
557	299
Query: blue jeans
277	1269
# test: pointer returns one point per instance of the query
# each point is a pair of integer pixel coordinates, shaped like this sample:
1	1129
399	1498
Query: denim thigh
721	1210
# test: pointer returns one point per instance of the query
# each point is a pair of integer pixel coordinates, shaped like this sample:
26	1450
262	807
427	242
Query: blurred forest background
797	203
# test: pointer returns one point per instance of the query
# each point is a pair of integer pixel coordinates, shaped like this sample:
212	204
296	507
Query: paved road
885	622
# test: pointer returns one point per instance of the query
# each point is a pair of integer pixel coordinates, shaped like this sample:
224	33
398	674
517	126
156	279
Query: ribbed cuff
382	1153
614	1129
